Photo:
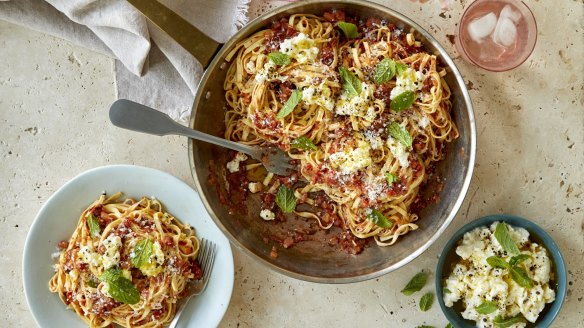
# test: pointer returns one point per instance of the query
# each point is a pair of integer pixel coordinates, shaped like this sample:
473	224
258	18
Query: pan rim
251	27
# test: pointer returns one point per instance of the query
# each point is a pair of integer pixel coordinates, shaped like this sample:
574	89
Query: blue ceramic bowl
537	234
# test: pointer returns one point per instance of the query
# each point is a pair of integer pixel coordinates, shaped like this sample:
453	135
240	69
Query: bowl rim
471	153
516	221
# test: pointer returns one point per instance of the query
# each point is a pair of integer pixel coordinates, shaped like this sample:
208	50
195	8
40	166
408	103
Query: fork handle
174	321
137	117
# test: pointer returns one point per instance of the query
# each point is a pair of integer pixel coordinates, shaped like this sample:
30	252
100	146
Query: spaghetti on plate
361	107
127	262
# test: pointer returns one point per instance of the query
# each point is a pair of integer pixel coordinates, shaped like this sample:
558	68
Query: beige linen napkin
150	68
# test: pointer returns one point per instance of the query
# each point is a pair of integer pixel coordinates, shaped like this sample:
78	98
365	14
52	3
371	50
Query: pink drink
497	35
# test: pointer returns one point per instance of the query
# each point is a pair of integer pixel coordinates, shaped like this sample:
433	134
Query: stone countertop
54	98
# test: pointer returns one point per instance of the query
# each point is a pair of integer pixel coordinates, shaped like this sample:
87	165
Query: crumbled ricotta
233	165
399	152
362	105
408	80
352	159
111	257
474	281
267	215
320	95
255	187
301	47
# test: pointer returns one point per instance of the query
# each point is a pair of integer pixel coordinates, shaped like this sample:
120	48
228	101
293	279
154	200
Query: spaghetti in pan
358	104
128	262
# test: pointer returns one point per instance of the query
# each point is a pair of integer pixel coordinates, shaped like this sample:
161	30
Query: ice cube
510	13
482	27
505	32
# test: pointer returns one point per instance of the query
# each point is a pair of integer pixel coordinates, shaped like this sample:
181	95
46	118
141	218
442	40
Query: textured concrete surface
530	162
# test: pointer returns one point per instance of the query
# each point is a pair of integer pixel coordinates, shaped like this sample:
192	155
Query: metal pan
313	261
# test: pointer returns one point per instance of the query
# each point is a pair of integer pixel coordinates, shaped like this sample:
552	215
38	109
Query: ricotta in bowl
505	286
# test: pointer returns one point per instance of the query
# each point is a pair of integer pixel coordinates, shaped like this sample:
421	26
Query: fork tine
209	266
203	256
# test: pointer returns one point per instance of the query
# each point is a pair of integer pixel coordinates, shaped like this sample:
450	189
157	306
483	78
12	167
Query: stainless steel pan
314	261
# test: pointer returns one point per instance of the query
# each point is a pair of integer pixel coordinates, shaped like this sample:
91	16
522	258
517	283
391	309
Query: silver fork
136	117
206	258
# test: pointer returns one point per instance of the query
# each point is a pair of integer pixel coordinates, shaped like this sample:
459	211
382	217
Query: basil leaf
403	101
120	288
142	253
285	199
93	224
497	262
486	307
351	83
279	58
501	322
426	302
417	283
517	259
519	275
379	219
349	29
290	104
400	68
449	325
447	291
384	71
110	274
303	143
400	134
91	283
390	177
504	238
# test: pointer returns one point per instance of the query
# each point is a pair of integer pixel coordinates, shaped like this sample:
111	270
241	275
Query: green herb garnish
400	68
351	83
93	224
517	259
384	71
303	143
285	199
504	238
142	253
403	101
390	177
497	262
486	307
501	322
426	302
379	219
279	58
349	29
290	104
120	288
400	134
446	291
415	284
519	275
449	325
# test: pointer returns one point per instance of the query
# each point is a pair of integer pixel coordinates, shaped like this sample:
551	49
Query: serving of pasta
128	262
360	107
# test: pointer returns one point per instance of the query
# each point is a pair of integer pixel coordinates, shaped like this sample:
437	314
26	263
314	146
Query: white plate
58	218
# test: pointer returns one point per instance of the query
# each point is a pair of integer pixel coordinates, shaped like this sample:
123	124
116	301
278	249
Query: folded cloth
150	68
